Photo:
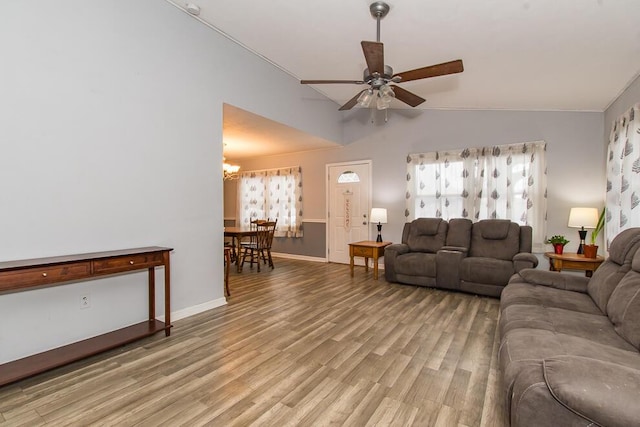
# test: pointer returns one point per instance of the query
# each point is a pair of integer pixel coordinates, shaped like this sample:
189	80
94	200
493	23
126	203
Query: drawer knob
44	274
131	262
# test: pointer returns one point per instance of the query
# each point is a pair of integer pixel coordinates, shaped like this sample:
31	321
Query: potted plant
591	251
558	242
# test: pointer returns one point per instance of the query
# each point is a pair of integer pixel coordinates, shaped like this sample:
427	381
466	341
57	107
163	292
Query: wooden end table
573	261
367	249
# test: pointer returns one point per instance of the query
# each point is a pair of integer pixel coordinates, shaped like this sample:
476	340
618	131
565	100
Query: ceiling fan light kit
378	75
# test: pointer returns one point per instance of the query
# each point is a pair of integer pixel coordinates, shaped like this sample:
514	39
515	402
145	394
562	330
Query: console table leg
152	293
167	295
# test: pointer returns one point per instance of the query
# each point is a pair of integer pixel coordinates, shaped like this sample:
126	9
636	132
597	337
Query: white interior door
349	201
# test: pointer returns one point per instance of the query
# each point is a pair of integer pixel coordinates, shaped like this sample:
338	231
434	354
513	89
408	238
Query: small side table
367	249
573	261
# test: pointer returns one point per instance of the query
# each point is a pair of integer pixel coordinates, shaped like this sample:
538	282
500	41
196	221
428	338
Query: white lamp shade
583	217
379	215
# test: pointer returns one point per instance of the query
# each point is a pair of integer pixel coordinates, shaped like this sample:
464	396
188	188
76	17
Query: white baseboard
195	309
299	257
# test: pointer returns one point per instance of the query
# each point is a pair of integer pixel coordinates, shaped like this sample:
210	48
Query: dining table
237	234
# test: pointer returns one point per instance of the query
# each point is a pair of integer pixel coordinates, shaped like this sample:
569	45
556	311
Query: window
503	182
272	194
623	175
348	176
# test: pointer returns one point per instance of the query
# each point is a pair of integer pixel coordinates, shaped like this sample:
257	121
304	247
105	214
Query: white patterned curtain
623	175
272	194
505	182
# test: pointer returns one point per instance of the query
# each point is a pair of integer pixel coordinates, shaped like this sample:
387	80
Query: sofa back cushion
427	234
459	233
495	238
607	277
624	305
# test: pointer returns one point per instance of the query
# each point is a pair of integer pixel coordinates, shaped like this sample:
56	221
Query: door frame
369	164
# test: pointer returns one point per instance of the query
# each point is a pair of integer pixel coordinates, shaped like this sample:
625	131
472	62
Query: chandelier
229	171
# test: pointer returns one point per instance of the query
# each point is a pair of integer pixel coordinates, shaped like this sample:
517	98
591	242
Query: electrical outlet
85	301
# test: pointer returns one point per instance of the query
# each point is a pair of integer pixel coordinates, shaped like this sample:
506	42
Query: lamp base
583	235
379	239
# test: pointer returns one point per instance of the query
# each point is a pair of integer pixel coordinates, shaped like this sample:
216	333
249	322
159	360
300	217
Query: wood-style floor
304	344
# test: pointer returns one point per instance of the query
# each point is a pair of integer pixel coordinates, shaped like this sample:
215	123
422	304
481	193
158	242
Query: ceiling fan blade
443	69
407	97
352	102
374	55
321	82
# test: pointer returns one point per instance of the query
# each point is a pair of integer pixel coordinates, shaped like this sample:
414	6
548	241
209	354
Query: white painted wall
110	138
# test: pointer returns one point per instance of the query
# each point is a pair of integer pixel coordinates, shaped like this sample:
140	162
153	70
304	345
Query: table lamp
379	215
583	218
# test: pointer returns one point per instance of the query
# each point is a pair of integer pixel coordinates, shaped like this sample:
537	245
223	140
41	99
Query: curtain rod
269	170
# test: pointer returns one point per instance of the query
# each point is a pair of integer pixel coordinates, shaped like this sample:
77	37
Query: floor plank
303	344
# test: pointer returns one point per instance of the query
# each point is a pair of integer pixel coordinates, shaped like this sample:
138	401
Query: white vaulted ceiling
518	54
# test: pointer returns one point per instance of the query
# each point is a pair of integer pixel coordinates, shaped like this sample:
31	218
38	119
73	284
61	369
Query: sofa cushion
594	327
427	234
624	305
489	271
503	240
603	392
416	264
608	275
522	348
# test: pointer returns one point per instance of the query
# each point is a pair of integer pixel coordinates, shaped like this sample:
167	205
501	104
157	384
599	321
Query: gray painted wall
626	100
575	158
110	130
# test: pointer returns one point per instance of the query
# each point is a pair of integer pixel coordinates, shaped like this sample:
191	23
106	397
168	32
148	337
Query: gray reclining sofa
569	344
460	255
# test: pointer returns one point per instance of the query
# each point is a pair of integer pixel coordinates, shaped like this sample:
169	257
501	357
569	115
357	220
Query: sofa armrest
552	279
603	392
524	260
396	249
456	249
391	252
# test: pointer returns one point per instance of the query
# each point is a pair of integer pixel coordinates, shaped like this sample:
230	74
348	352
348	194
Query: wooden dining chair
260	245
267	248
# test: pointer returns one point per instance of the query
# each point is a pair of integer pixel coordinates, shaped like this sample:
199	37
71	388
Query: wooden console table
29	274
573	261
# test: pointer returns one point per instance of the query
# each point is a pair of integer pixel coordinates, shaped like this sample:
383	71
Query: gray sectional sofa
460	255
569	351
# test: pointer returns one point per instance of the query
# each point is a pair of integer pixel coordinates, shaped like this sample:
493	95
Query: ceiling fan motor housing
376	80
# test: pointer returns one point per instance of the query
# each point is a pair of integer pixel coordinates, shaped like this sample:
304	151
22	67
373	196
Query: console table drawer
18	279
364	252
131	262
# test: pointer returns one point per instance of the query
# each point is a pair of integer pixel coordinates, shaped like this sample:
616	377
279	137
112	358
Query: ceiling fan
379	76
